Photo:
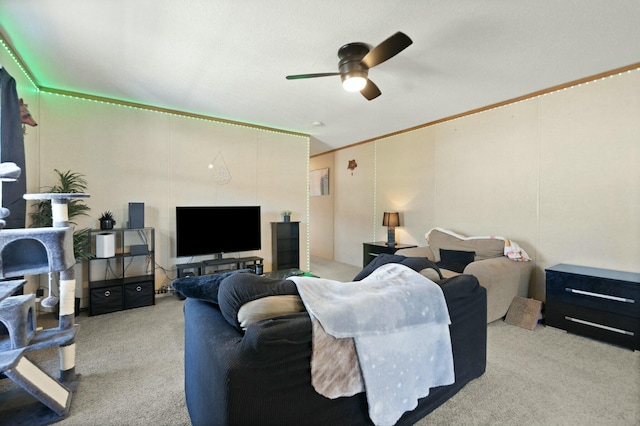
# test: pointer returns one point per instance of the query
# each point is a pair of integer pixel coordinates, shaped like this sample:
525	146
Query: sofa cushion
203	287
238	289
268	307
484	247
455	260
432	274
415	263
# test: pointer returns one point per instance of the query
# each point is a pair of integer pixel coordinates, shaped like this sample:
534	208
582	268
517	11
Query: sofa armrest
417	252
504	279
262	377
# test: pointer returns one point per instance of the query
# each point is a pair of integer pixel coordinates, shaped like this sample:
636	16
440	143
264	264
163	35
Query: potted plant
107	221
68	182
286	216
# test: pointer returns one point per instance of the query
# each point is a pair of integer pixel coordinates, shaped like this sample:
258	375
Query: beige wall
353	202
321	211
558	174
161	159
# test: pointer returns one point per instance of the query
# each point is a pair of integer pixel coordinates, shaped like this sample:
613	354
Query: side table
598	303
371	250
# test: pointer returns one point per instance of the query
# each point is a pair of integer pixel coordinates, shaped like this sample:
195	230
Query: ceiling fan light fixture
356	59
354	81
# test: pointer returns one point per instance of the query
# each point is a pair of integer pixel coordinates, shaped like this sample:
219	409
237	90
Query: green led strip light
18	62
134	105
143	107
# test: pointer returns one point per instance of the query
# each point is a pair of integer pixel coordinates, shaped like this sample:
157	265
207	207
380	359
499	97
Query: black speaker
138	249
136	215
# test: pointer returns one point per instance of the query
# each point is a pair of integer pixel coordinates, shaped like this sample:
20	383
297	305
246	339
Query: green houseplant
68	182
106	220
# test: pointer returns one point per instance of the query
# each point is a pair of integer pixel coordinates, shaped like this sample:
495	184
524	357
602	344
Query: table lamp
391	220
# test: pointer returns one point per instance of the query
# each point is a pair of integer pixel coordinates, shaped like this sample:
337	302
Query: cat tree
37	251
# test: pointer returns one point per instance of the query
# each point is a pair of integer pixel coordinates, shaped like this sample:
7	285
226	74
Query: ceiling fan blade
322	74
387	49
370	91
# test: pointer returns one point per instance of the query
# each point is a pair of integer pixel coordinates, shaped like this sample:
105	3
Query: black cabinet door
138	294
105	300
593	302
285	244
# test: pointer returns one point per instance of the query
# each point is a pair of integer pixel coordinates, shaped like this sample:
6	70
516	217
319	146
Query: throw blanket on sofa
511	249
399	322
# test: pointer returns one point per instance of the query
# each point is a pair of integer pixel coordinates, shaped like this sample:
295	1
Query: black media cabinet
598	303
285	245
200	268
124	278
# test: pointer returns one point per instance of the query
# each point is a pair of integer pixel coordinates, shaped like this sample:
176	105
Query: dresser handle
138	288
604	327
107	293
602	296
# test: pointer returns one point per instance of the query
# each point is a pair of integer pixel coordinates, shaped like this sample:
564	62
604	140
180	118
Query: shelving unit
285	245
127	279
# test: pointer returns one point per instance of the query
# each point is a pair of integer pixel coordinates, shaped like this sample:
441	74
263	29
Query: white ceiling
229	58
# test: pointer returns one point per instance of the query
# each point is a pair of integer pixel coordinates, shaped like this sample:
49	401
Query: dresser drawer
138	294
607	326
105	300
605	294
599	303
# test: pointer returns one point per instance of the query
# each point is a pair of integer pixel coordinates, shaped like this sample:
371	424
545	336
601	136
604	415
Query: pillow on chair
237	290
455	260
484	247
268	307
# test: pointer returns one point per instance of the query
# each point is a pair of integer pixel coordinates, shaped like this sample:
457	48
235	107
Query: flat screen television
217	229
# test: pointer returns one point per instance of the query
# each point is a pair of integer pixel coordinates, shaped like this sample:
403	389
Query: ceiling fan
355	61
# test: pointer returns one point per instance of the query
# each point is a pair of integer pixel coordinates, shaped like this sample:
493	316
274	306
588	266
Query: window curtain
12	150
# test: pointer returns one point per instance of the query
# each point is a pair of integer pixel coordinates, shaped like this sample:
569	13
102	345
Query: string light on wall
219	169
18	63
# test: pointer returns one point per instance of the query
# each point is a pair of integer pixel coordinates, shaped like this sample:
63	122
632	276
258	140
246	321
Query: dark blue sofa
263	377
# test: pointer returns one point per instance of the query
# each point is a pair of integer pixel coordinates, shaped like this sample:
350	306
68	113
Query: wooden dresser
599	303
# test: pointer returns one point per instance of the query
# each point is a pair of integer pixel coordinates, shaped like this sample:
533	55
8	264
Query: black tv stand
200	268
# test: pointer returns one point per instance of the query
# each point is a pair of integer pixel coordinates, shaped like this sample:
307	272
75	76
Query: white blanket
399	321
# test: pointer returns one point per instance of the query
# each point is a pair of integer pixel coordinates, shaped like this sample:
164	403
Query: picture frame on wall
319	182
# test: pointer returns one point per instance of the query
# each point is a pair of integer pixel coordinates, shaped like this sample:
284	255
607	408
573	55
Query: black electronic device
136	215
207	230
138	249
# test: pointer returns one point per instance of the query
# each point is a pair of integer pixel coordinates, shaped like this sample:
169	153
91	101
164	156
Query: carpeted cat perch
27	252
37	251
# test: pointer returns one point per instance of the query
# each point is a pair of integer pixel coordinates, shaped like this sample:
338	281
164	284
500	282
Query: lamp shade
391	219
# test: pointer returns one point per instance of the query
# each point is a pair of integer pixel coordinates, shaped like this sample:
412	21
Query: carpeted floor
539	377
547	377
131	373
130	365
